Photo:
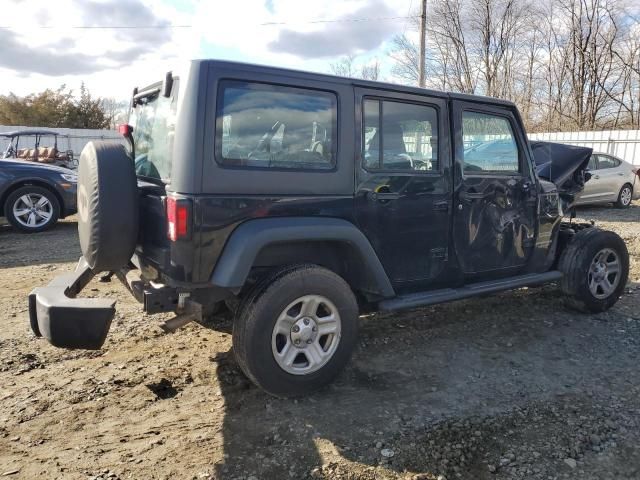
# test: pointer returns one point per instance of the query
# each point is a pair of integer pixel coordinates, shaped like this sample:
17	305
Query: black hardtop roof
16	133
247	67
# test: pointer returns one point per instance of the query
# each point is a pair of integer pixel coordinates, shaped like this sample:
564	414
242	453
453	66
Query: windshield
153	122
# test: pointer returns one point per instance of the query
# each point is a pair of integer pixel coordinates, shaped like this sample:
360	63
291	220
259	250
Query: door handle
469	196
384	196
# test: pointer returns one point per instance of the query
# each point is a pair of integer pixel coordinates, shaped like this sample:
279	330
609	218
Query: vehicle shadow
411	372
58	245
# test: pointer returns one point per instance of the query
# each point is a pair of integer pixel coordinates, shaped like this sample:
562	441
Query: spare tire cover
107	206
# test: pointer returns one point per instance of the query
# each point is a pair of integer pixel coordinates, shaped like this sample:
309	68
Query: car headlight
70	177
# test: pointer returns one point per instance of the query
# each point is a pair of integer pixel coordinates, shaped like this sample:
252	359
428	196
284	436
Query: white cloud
112	61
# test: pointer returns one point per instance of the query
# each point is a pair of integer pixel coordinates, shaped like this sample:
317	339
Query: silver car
612	181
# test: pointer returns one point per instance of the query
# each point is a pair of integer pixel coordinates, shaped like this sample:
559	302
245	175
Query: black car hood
564	165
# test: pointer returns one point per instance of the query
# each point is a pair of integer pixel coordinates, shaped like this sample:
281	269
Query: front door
495	199
403	194
609	176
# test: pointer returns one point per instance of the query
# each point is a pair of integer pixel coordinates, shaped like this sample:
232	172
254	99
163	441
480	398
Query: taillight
125	130
178	218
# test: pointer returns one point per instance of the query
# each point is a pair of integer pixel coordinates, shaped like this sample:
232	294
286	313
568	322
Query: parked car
302	200
33	196
40	146
612	181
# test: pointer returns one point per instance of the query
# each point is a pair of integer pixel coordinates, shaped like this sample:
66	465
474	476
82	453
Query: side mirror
167	85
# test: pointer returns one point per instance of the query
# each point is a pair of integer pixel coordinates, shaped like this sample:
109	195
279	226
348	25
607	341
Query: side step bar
449	294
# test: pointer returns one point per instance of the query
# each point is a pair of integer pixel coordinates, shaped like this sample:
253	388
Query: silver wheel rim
306	335
625	196
32	210
604	273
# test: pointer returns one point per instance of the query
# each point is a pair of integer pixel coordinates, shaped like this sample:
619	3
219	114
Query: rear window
154	124
268	126
605	161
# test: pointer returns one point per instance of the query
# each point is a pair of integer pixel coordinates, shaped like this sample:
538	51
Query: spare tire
107	206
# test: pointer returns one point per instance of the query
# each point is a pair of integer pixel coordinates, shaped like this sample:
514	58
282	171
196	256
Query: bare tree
345	67
348	66
405	56
116	111
370	71
567	64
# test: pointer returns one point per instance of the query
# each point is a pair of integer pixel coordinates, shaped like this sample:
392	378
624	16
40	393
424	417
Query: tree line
567	64
60	108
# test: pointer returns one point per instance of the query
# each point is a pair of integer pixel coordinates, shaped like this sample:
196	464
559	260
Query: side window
593	164
399	136
269	126
489	144
605	161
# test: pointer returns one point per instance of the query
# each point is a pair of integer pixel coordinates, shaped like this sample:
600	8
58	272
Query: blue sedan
33	196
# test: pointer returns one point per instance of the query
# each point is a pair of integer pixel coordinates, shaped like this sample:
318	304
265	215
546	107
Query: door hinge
440	252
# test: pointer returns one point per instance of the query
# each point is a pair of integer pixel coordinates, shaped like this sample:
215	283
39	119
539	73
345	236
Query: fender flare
249	238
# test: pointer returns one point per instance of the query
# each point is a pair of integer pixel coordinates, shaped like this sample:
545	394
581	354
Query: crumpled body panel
493	228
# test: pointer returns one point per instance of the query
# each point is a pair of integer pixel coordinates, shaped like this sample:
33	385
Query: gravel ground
506	386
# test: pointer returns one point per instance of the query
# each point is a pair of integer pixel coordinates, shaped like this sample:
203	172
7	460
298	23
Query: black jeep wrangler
302	200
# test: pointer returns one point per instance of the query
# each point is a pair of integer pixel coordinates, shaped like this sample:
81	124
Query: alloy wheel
625	196
604	273
32	210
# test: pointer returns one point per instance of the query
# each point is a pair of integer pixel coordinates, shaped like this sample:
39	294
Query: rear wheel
596	267
296	329
625	196
32	209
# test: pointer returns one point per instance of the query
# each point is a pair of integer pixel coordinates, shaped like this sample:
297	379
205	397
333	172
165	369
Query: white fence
75	138
624	144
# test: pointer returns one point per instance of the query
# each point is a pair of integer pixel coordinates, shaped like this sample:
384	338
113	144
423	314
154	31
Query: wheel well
341	258
567	231
37	183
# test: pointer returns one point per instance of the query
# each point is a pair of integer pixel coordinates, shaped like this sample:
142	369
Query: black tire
257	315
576	262
107	206
33	192
625	196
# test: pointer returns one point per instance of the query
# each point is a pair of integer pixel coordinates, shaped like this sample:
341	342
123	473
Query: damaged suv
301	200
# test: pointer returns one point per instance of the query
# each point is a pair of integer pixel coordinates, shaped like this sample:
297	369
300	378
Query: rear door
495	198
403	193
611	176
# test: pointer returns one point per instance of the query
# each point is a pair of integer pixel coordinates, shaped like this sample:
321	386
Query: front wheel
596	268
32	209
296	330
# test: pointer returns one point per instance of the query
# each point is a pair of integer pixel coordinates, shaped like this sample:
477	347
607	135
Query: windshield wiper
154	180
145	95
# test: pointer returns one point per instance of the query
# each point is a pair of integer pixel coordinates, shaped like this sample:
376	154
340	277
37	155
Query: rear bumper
69	322
66	321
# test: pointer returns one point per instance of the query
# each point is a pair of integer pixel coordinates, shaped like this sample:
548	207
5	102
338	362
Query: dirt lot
507	386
